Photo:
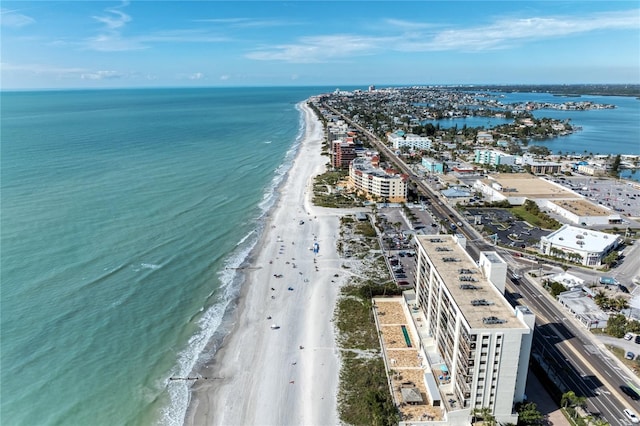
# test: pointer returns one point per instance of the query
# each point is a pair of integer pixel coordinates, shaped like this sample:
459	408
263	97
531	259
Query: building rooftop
479	301
573	237
456	193
582	305
364	165
582	207
526	185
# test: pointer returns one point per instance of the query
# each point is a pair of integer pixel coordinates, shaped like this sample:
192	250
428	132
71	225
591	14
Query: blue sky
103	44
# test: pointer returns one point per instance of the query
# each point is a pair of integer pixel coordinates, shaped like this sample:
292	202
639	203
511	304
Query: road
572	356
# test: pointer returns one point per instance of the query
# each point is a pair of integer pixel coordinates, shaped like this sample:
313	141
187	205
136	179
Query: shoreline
288	375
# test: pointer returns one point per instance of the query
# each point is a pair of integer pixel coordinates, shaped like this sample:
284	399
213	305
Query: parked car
637	339
631	415
628	336
630	355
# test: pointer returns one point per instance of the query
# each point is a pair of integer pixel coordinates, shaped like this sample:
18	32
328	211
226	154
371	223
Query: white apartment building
494	157
469	330
584	245
365	176
401	139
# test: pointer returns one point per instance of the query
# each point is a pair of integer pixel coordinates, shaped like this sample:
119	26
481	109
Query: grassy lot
541	221
363	394
326	195
634	365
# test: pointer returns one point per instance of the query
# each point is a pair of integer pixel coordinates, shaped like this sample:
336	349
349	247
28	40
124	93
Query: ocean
125	214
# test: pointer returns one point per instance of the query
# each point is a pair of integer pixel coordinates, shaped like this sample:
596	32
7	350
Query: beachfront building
432	165
401	139
342	153
494	158
336	129
474	344
582	245
367	177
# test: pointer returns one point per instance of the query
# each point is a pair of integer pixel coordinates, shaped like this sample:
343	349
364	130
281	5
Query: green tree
570	399
615	166
557	288
616	325
610	259
620	303
528	415
485	415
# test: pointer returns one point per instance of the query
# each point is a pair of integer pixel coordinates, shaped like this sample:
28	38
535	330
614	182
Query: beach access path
286	375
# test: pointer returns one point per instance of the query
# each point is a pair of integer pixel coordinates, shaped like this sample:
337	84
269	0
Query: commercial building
432	166
582	212
385	185
519	187
457	194
592	169
469	335
584	246
583	308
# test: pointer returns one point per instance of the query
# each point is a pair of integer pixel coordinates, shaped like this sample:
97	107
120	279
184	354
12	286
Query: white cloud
249	22
320	49
62	72
115	17
507	32
40	69
420	37
13	19
102	75
112	38
225	77
407	25
196	76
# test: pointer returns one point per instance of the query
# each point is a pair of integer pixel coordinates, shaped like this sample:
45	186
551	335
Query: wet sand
288	375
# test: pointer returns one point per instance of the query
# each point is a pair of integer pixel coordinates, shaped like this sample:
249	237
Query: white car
628	336
631	415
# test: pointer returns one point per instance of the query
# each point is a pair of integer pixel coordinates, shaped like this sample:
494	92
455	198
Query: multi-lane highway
570	354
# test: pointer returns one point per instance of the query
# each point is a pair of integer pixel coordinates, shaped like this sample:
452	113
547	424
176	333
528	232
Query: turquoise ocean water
124	214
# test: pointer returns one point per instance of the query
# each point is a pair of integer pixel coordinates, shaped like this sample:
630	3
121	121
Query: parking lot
397	242
614	194
509	230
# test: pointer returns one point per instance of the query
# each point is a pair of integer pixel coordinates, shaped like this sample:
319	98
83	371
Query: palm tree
620	303
600	298
568	399
485	414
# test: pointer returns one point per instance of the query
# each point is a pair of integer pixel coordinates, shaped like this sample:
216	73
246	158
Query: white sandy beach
265	376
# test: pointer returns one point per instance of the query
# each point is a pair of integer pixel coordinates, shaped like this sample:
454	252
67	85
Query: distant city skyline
109	44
